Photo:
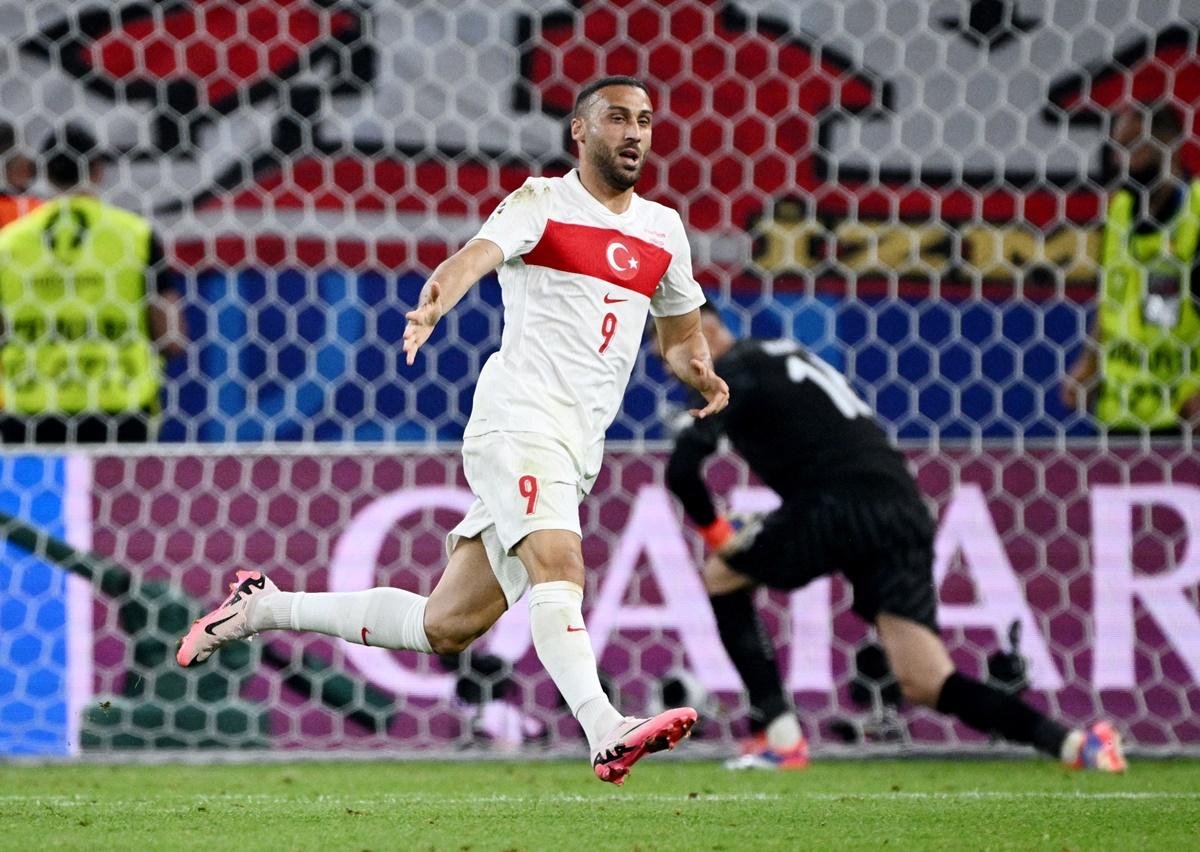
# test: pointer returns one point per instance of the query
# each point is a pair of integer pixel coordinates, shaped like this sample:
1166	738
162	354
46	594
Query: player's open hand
711	386
421	320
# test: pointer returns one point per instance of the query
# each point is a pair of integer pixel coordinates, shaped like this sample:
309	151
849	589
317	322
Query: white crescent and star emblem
621	260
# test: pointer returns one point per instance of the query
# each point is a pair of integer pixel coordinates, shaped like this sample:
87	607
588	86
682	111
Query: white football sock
563	646
783	733
381	618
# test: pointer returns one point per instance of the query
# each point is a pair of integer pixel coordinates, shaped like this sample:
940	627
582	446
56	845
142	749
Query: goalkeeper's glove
731	532
719	533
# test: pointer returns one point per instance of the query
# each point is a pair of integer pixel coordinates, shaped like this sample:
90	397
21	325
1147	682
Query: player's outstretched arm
685	469
685	350
446	286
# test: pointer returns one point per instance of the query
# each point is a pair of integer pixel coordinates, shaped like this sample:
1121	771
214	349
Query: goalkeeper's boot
1100	749
227	622
758	754
631	739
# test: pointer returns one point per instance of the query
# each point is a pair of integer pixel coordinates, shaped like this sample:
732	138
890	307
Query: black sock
987	709
749	647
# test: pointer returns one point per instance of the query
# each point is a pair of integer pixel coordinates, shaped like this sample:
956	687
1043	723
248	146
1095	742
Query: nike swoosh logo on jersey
365	631
609	300
571	629
208	628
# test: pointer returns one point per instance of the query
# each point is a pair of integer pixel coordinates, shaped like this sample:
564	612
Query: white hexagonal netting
916	191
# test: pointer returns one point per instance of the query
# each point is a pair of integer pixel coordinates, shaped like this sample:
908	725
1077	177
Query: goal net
915	191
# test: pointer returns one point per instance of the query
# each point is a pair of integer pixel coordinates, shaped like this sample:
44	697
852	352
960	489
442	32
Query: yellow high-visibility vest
1149	328
73	300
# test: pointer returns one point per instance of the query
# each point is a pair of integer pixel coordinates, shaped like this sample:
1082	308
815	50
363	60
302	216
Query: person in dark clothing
849	504
1138	368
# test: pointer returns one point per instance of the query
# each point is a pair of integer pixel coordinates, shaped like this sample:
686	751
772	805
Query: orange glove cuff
717	534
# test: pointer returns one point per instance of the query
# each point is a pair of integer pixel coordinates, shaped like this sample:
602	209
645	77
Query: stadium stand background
913	189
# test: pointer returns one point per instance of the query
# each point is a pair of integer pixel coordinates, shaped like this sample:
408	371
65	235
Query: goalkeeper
849	504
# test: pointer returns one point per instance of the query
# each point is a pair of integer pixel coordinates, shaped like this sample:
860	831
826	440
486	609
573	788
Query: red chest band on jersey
602	253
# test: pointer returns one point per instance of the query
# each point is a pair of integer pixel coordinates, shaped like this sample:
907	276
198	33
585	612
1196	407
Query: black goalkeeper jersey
796	422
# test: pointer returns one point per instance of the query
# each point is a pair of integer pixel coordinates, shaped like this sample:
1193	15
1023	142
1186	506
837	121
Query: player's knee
548	560
712	581
448	642
448	635
918	687
720	579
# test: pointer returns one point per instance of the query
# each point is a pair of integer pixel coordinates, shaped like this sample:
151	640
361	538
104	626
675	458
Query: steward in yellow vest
1148	319
79	360
1145	349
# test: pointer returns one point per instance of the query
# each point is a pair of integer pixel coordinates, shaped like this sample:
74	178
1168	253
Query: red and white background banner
1096	552
375	134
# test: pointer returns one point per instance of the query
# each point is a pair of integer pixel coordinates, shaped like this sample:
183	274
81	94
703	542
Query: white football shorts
523	482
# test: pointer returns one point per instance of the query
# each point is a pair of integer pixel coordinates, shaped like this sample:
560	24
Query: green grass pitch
666	804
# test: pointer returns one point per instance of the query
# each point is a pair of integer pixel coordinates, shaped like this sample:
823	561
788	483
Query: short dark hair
585	94
68	152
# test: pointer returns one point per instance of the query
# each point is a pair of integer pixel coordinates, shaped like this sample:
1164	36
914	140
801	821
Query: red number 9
608	327
527	485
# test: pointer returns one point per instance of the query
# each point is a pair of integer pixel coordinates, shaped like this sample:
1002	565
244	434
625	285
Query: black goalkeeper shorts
881	543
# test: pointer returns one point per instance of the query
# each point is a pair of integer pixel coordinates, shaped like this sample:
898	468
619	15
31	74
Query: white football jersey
577	281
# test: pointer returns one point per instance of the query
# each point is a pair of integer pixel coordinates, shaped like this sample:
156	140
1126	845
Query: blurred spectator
1141	365
88	309
19	171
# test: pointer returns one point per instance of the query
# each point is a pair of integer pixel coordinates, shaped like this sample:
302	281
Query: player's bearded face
620	165
617	135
